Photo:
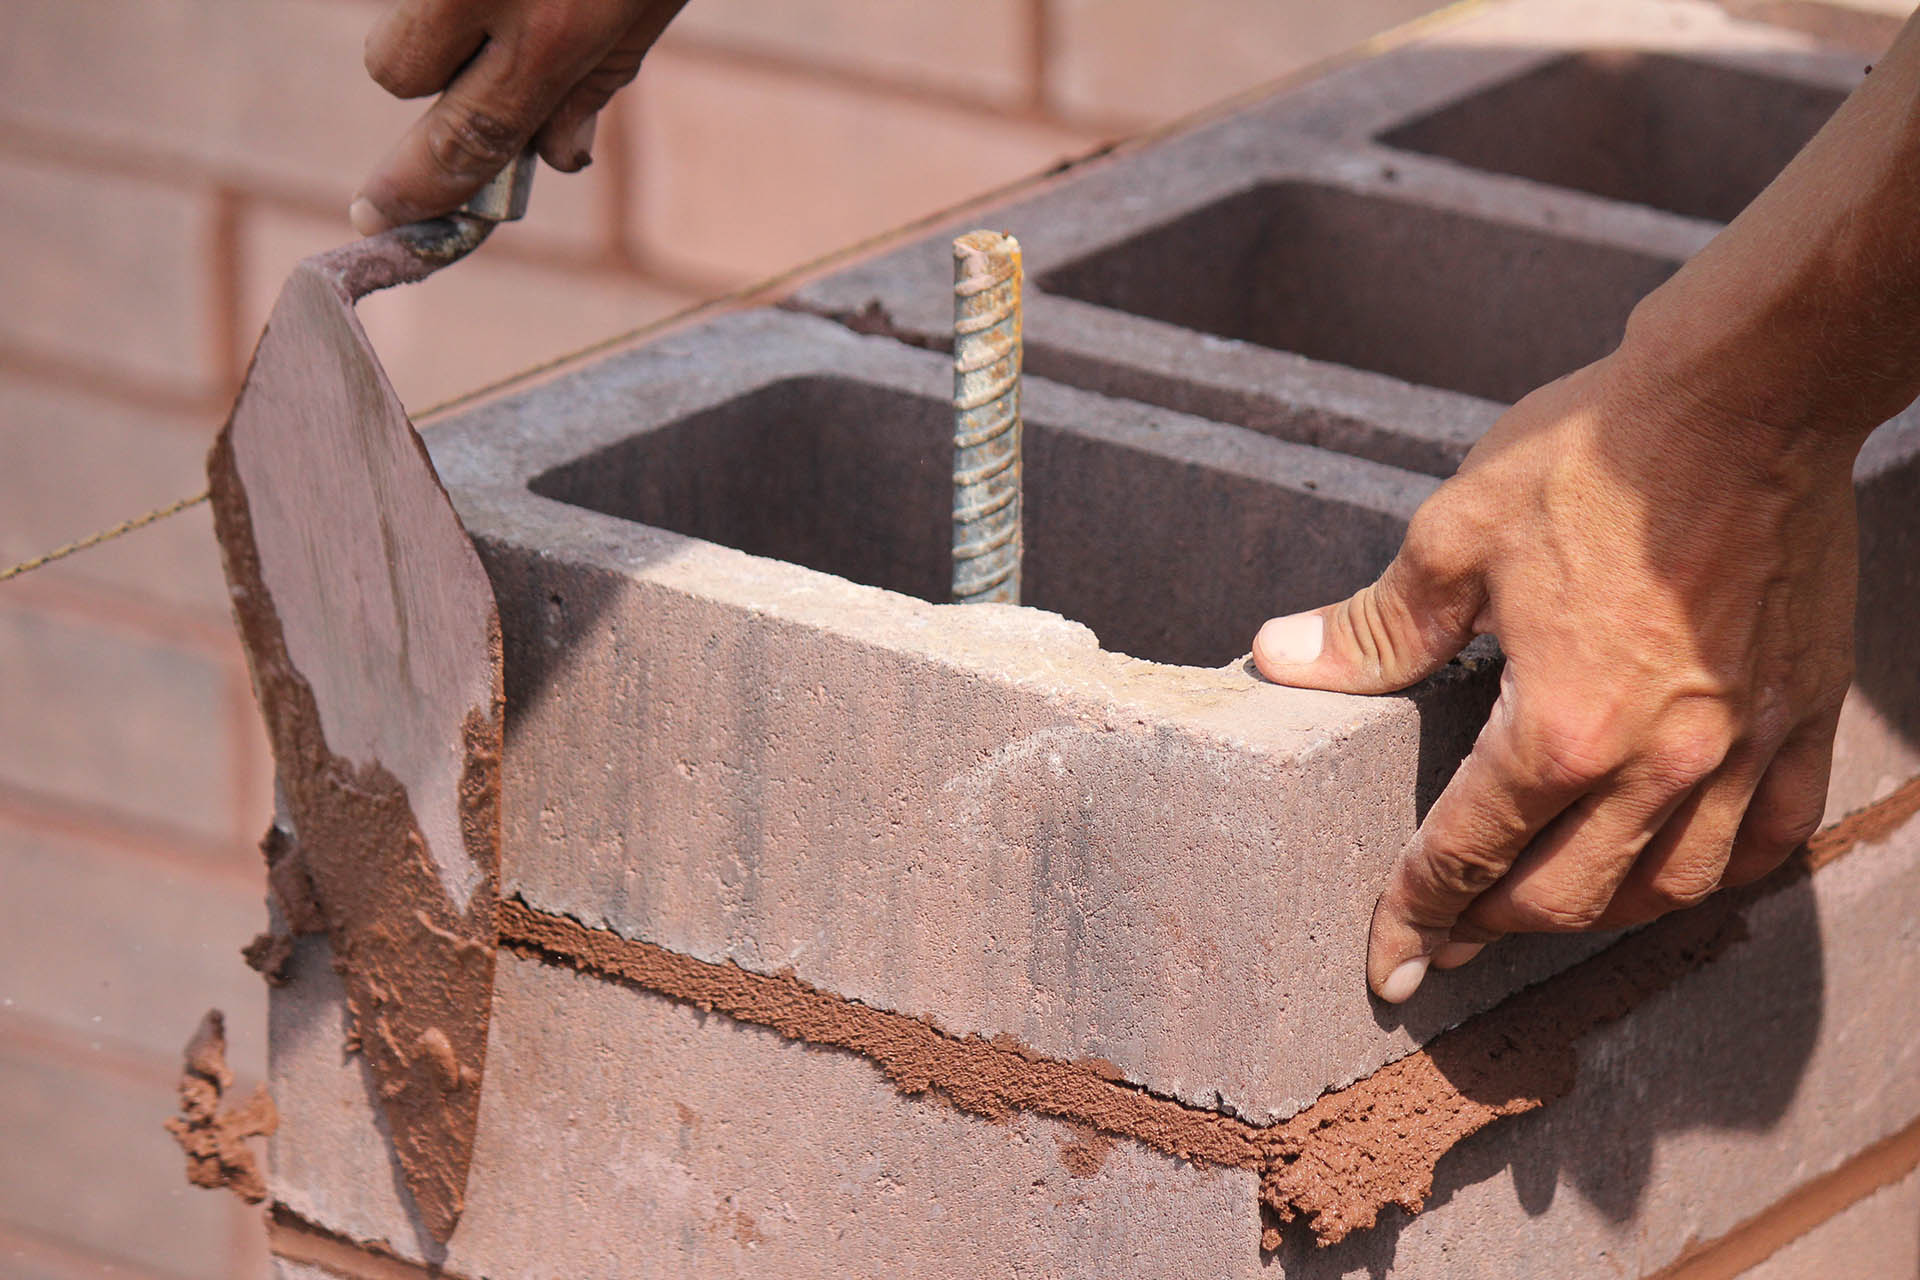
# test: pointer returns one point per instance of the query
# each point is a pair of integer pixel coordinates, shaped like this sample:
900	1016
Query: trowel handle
504	198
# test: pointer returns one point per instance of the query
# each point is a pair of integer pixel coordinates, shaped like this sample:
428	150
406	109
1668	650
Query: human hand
1673	587
508	72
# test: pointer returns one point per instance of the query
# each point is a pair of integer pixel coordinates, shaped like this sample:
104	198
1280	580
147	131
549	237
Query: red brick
740	174
127	950
263	95
88	1162
29	1258
78	462
108	273
481	320
982	49
1144	61
105	717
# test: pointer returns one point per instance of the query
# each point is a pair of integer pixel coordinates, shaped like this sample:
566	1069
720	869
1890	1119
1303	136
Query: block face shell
972	813
696	1146
1692	1114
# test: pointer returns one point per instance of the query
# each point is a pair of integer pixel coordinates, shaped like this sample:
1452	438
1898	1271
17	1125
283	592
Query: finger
1684	862
478	125
1453	954
1389	635
1565	880
1503	794
565	141
418	46
1787	805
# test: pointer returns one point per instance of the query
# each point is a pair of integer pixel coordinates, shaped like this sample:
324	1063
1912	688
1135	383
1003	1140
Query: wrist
1739	361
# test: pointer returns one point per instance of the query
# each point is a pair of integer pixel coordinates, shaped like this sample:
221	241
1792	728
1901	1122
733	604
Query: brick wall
162	164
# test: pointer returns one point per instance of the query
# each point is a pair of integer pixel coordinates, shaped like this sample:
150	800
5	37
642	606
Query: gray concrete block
624	1135
1774	1064
974	813
1407	243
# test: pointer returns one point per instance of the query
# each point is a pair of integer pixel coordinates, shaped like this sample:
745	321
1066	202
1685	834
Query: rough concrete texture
1687	1118
736	733
697	1146
1473	214
1439	230
972	813
1747	1079
1879	1236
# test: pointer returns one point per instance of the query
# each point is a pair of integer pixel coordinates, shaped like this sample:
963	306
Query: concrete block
1688	1117
108	274
745	171
1878	1236
1755	1074
1302	266
1374	262
167	947
983	50
689	1145
976	813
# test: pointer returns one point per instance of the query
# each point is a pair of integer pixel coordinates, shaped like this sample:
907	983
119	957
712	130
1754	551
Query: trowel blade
374	642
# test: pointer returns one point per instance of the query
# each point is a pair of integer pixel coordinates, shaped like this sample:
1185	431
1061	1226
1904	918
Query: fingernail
1404	981
366	219
583	140
1451	955
1291	640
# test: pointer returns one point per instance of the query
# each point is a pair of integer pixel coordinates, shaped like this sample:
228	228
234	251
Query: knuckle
470	142
1440	546
1571	750
1679	759
1676	891
1547	915
1780	831
1452	876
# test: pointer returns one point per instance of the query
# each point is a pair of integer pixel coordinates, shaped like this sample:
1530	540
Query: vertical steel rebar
986	418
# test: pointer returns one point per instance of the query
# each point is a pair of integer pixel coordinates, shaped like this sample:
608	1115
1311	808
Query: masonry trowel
374	644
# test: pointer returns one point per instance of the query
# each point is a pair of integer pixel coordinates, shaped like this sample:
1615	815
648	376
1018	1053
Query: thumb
1385	637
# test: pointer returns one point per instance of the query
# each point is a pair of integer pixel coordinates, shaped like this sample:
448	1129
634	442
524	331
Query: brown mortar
215	1140
294	1239
1336	1164
376	871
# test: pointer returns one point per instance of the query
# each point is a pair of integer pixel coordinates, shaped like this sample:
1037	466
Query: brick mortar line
292	1237
73	1253
1336	1164
118	834
1811	1204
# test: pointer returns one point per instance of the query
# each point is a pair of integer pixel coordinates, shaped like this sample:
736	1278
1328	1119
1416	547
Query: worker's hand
508	72
1673	587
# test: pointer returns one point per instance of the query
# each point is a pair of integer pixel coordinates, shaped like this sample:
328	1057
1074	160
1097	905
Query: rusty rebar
986	418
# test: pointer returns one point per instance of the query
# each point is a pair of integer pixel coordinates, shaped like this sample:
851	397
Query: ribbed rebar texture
986	418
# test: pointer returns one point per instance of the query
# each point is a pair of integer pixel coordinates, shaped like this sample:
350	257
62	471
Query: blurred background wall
162	164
